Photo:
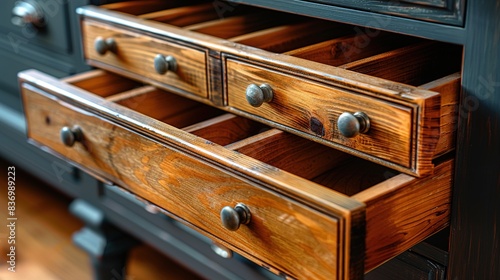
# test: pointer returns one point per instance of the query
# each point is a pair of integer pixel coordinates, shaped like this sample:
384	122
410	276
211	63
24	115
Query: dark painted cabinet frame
475	225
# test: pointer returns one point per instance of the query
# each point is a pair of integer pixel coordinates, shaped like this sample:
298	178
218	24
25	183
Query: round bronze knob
257	95
71	135
351	125
163	64
102	45
233	218
27	12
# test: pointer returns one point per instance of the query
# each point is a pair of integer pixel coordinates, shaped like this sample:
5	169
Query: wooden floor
43	239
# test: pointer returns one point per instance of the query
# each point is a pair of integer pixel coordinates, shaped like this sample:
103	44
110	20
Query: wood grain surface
136	52
44	245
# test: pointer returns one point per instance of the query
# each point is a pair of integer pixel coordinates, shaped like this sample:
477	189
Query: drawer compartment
315	212
387	98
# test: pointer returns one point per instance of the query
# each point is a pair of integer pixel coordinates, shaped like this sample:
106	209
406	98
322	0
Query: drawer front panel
314	109
194	191
135	53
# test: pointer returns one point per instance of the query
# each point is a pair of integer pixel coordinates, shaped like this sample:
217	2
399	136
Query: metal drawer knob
27	12
71	135
233	218
351	125
102	45
163	64
257	95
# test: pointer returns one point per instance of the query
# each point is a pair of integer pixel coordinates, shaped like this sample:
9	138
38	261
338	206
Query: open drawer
387	98
298	208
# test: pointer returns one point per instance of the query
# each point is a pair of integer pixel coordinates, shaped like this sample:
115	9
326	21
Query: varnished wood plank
136	53
417	208
225	129
353	176
101	82
290	153
238	25
350	48
155	103
414	65
291	36
191	116
130	94
183	16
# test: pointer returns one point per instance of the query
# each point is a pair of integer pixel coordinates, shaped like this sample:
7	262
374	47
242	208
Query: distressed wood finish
136	52
314	108
165	165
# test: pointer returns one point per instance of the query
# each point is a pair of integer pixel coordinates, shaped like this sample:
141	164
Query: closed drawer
387	98
315	212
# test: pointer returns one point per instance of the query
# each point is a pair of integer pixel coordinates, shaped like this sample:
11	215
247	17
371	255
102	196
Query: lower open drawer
297	207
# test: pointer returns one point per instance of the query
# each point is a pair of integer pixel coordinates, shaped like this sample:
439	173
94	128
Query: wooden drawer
404	134
162	62
316	212
404	89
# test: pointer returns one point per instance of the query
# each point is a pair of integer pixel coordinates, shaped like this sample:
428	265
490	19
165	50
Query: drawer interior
333	169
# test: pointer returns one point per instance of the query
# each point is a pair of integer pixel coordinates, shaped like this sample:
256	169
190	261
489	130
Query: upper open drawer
299	208
387	98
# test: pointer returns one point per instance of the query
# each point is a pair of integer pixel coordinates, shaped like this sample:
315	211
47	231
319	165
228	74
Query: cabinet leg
106	245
